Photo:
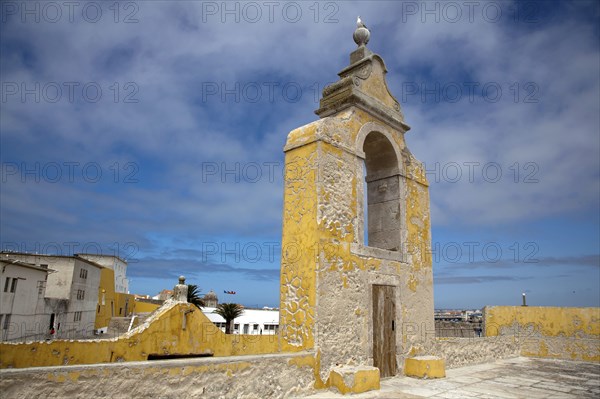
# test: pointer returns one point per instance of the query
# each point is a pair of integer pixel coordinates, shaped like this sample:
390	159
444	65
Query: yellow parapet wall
551	332
145	307
260	376
175	329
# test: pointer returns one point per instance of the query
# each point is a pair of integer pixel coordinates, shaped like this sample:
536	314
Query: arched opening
382	193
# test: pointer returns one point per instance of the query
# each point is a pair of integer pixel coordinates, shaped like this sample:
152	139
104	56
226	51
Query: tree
193	296
229	311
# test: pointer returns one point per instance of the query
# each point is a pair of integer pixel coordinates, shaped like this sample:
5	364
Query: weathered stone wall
460	329
265	376
551	332
458	352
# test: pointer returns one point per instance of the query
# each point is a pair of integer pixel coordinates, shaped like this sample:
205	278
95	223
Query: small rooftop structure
211	299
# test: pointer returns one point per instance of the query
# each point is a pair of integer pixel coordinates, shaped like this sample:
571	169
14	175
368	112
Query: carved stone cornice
362	84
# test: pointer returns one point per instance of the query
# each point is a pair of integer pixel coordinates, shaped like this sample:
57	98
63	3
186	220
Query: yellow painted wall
124	304
298	271
111	302
164	335
145	307
552	332
106	296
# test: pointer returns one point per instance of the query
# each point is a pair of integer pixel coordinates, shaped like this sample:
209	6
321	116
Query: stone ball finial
361	34
181	279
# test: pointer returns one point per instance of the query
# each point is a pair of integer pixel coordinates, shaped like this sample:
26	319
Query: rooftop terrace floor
510	378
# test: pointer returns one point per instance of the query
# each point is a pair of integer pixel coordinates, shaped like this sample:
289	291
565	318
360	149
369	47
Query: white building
118	265
71	292
22	307
252	321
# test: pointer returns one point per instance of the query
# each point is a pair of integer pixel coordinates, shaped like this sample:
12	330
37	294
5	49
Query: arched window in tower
382	203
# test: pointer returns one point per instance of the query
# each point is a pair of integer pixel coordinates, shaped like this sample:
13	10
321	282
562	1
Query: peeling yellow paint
303	361
425	367
552	332
319	383
362	381
549	321
413	283
300	247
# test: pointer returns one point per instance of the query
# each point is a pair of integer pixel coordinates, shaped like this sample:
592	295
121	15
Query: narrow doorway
384	329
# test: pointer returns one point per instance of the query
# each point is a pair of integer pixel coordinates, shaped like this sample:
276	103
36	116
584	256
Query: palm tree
194	296
229	311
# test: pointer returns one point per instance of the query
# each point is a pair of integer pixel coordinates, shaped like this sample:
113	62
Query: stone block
425	367
354	379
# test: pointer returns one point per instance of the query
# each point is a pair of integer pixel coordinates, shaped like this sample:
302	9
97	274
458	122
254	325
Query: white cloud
172	130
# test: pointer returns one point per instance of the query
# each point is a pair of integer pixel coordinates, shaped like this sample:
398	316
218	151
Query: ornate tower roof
362	84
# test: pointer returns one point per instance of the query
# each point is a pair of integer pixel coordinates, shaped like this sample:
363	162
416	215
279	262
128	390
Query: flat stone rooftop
510	378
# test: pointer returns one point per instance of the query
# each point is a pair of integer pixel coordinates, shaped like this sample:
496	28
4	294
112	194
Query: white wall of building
252	321
22	309
81	313
118	265
71	292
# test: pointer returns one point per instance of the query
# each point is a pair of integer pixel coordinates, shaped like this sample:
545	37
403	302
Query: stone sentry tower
356	301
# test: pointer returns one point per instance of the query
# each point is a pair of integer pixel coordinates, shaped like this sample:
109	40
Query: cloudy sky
154	130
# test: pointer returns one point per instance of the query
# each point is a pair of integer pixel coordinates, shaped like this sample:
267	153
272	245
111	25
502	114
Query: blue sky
154	130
